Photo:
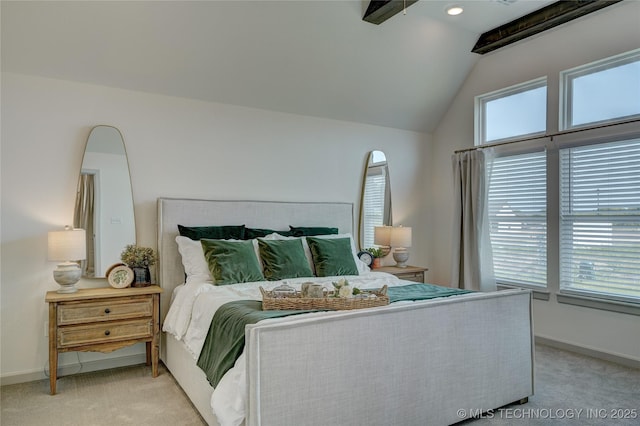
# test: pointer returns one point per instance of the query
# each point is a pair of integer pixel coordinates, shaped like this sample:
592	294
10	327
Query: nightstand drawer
104	332
104	310
412	276
408	273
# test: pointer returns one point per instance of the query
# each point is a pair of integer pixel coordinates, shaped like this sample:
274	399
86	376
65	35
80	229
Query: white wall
611	31
177	148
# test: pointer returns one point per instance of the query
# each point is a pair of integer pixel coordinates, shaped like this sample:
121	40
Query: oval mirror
375	201
104	201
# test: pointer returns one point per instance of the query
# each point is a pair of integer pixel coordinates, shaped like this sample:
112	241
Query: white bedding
193	306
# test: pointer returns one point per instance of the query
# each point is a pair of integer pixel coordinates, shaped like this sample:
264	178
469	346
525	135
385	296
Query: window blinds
600	219
518	217
374	194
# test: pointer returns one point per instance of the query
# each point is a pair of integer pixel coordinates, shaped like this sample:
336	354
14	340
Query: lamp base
384	250
401	256
70	288
67	275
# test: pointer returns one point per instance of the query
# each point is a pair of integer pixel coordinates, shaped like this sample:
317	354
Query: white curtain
472	261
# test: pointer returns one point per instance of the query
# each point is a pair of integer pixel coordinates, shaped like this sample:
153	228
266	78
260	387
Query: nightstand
410	273
103	320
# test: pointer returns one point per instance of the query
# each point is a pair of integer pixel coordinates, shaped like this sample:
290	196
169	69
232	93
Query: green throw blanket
421	292
225	340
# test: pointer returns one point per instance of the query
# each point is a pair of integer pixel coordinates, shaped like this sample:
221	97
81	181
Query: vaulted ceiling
316	58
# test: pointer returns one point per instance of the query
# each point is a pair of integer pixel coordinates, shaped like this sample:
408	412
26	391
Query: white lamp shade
400	237
67	245
382	235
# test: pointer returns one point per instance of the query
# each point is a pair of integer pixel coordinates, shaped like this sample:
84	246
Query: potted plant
139	259
376	252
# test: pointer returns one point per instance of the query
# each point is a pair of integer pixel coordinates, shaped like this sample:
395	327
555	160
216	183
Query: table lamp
400	240
382	238
67	246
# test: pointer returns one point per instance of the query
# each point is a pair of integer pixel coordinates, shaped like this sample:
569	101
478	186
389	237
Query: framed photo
120	276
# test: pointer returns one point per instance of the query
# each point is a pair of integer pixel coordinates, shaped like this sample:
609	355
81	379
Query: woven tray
297	302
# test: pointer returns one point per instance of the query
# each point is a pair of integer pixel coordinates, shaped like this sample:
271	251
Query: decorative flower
344	289
341	282
138	257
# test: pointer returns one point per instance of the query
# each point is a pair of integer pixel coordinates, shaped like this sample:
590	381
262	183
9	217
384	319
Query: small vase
376	263
141	276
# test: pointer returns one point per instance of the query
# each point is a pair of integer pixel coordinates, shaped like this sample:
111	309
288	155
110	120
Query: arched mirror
375	202
104	201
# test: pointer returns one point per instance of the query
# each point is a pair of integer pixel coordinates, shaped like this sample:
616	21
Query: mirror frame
131	234
368	163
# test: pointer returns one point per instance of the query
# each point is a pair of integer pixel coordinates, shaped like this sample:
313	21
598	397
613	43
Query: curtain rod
565	132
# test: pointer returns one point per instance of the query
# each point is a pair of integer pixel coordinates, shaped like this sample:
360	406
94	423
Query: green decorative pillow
212	232
332	256
231	262
251	233
283	259
309	231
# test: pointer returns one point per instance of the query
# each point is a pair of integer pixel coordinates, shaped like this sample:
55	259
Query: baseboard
583	350
67	369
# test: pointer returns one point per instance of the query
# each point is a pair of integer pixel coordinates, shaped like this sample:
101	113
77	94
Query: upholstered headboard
254	214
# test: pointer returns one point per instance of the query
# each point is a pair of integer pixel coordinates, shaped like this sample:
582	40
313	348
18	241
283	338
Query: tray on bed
367	299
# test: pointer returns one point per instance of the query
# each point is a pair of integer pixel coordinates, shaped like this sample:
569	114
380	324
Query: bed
432	362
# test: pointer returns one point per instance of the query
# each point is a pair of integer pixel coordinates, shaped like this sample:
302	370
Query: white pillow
362	267
195	265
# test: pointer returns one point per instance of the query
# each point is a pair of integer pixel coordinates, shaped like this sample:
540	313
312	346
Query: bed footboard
410	364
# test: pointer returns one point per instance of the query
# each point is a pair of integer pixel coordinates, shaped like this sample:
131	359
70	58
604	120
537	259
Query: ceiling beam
536	22
379	11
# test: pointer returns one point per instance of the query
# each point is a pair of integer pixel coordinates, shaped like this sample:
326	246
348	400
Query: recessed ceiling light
454	10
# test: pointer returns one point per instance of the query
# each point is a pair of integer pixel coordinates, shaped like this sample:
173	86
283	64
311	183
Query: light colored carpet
565	383
120	396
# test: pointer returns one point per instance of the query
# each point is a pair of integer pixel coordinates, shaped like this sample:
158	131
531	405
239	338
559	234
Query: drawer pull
107	311
106	333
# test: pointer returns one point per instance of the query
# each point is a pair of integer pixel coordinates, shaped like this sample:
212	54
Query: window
564	207
374	199
600	219
518	217
601	92
512	112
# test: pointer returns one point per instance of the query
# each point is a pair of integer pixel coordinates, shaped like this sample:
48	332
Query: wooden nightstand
103	320
410	273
